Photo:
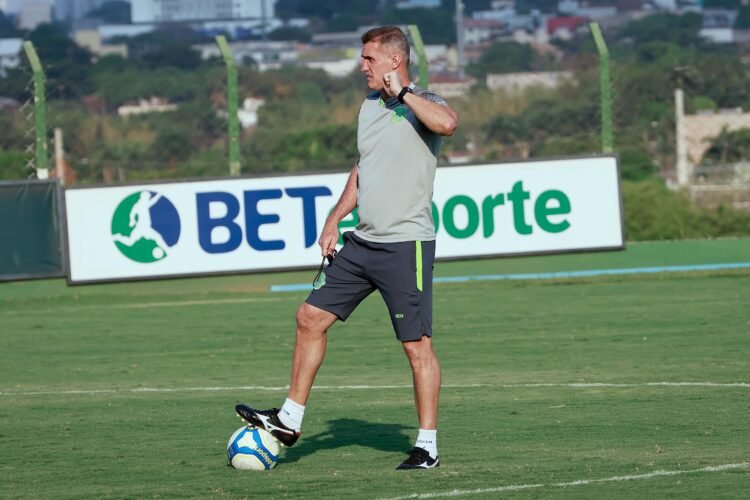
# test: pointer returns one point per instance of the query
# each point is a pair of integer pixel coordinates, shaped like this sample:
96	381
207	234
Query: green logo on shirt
399	114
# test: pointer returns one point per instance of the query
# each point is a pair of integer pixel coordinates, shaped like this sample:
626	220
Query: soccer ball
252	449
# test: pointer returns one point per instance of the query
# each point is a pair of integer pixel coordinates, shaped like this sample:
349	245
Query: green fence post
606	92
416	39
234	124
40	111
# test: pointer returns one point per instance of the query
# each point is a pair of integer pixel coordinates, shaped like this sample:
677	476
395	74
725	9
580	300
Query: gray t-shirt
398	157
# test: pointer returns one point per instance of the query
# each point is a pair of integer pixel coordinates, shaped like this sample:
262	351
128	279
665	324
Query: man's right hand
329	237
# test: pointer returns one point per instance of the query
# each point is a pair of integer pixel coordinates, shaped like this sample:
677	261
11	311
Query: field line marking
580	482
149	305
553	275
576	385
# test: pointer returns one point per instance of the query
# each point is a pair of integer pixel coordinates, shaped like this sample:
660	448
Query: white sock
291	414
427	439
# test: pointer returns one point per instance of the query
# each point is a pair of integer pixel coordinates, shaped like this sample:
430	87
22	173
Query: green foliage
567	145
7	28
12	136
653	212
681	30
701	102
435	25
173	55
730	146
15	83
13	164
324	9
113	12
722	4
119	84
66	65
504	57
636	164
743	18
290	33
329	147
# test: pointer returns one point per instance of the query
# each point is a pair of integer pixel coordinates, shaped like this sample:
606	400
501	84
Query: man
393	247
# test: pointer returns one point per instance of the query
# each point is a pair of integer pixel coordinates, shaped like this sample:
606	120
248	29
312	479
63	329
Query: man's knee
312	320
419	351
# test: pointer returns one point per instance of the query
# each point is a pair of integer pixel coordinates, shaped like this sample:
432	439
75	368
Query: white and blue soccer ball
252	449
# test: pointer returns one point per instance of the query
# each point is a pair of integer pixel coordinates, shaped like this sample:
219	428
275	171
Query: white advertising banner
254	224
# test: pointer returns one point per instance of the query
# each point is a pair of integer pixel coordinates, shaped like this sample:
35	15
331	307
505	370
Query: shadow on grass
348	432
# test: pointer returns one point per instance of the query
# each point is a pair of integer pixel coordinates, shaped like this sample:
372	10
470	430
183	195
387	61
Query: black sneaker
419	458
268	420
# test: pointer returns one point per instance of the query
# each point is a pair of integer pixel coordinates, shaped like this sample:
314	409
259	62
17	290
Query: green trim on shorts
419	265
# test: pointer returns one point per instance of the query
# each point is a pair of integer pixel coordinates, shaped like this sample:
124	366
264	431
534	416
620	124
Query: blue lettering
206	224
308	196
254	219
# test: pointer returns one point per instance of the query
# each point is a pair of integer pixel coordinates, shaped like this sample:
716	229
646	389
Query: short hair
392	36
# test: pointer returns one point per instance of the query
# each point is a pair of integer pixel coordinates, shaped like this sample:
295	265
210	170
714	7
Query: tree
113	12
504	57
682	30
743	18
290	33
7	29
172	144
435	25
174	55
66	65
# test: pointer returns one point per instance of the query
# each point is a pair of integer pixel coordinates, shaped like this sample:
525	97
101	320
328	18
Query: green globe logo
145	226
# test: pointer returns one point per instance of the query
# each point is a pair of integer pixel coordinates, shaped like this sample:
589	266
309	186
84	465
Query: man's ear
395	61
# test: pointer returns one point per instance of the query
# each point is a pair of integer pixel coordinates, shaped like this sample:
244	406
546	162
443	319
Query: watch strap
404	91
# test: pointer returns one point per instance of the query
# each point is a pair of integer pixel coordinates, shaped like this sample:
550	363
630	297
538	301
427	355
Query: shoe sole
252	425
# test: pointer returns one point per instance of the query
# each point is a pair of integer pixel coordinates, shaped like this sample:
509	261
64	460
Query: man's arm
329	236
438	117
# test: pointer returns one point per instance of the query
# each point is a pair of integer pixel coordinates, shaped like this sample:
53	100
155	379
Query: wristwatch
404	91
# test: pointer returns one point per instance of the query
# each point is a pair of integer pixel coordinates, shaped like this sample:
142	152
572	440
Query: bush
13	165
653	212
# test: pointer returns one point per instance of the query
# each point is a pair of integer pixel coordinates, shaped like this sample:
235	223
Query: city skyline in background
144	11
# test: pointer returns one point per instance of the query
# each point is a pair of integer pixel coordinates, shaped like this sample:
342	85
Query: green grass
226	333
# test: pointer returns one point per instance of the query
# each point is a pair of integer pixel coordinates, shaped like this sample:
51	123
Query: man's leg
426	374
309	349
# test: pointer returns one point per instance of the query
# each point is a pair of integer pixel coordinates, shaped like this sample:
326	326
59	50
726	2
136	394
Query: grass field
631	386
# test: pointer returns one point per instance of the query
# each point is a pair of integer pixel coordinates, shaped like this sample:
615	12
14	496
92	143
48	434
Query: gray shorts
401	272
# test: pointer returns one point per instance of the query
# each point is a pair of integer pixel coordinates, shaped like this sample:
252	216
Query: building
166	11
152	105
718	25
565	27
32	14
450	85
91	39
10	54
482	31
517	83
265	55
